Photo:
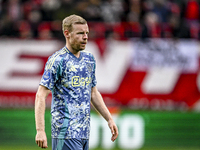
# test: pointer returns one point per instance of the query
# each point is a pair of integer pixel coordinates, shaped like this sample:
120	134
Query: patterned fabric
70	79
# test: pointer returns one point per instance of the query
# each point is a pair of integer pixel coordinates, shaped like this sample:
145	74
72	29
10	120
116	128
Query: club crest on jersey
89	67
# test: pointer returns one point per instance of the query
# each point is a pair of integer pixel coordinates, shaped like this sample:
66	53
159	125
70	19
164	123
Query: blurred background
148	57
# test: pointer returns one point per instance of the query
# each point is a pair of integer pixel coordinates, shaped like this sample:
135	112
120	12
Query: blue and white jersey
70	79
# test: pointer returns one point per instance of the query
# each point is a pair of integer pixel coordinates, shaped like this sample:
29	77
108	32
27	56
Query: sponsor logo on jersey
46	75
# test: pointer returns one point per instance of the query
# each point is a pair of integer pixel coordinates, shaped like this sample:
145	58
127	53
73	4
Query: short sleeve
51	74
94	81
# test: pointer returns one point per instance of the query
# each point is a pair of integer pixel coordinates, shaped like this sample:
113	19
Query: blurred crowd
119	19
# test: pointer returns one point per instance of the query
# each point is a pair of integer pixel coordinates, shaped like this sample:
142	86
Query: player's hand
114	129
41	139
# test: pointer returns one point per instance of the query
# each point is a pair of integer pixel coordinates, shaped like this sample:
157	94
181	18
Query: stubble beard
77	47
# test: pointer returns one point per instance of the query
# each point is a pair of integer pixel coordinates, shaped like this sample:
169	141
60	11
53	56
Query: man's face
78	37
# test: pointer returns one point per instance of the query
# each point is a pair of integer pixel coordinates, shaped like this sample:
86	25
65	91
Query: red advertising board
154	74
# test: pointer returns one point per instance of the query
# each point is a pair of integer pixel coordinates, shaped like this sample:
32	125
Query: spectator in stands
66	8
14	10
177	27
161	9
34	19
90	10
111	11
135	11
192	17
49	7
44	31
129	14
151	27
25	31
192	11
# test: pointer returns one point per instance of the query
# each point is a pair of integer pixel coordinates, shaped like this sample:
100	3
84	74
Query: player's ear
66	33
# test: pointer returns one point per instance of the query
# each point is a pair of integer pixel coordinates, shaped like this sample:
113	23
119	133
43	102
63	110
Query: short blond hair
71	20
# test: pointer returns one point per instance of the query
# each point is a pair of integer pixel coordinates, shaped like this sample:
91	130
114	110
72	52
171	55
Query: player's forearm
41	96
39	112
98	103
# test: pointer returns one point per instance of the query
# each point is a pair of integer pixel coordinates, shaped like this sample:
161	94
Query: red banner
154	74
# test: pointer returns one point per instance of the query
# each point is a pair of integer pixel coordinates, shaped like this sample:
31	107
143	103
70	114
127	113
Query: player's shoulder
57	57
59	54
88	54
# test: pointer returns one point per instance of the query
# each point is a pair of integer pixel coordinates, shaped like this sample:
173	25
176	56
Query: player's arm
40	99
99	105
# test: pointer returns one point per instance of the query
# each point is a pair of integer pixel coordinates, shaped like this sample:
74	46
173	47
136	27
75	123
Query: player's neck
75	52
